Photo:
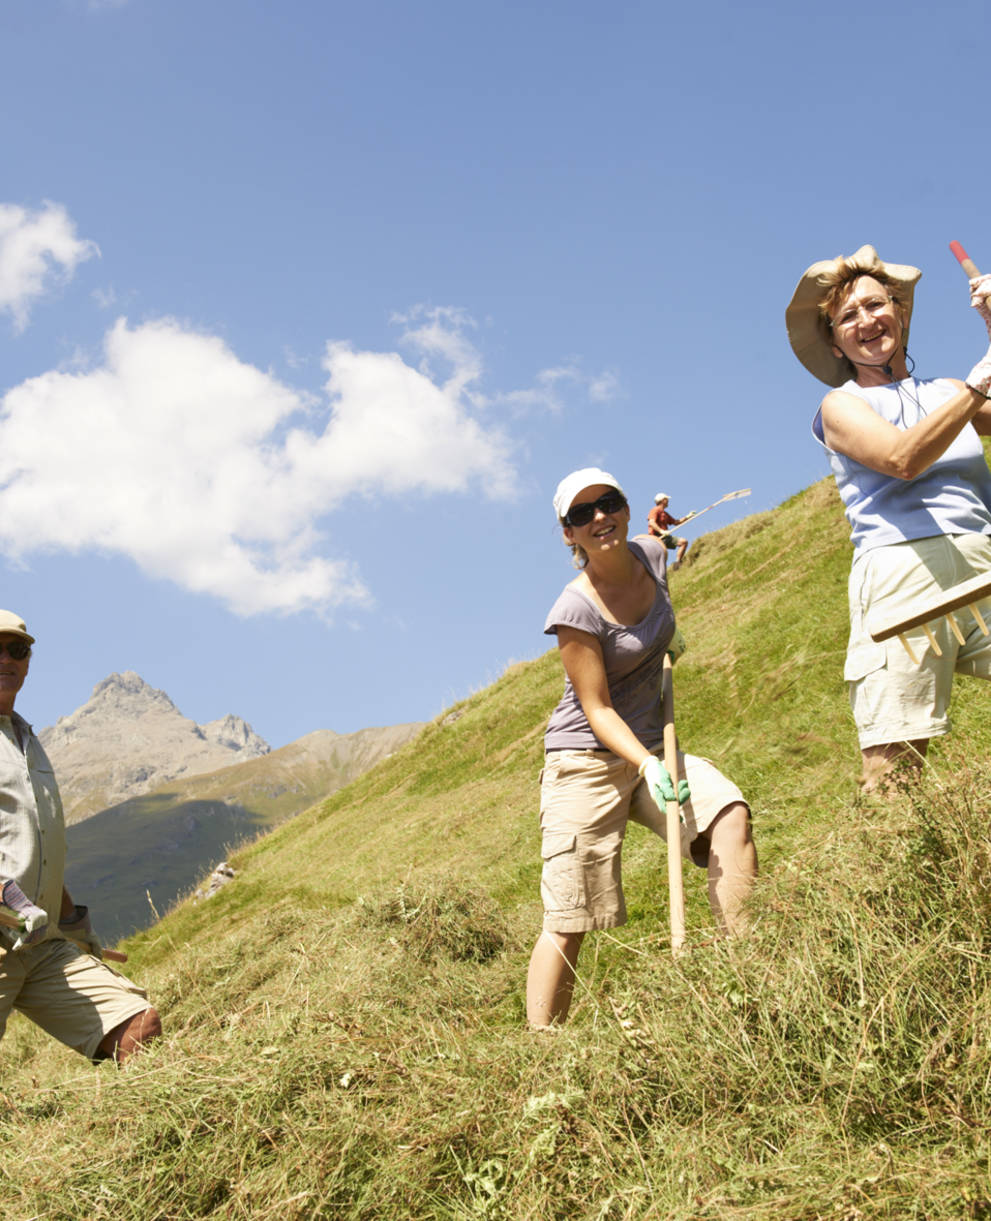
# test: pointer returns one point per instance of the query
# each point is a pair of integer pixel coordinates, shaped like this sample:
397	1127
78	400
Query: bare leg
551	978
131	1035
679	555
879	761
732	866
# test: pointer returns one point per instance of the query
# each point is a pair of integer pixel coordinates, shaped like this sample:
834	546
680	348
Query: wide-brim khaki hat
809	336
14	625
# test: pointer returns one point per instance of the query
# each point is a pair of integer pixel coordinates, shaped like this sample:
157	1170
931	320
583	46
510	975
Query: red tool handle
964	259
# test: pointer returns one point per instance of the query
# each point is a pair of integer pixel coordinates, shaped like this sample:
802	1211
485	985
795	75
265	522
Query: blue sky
306	307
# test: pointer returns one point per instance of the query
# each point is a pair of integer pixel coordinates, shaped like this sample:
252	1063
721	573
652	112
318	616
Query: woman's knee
731	826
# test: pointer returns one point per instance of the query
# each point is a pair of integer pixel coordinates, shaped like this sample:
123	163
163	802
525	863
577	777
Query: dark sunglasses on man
17	650
582	514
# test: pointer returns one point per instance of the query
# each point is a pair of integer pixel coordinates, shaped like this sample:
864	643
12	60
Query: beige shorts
586	799
893	699
75	997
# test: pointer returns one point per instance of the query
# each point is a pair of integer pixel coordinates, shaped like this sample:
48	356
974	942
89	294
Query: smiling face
12	673
868	326
605	531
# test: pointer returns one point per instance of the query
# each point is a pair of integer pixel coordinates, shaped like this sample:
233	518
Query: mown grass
345	1033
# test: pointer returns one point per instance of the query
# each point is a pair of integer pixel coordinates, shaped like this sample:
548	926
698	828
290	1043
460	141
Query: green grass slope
345	1033
135	859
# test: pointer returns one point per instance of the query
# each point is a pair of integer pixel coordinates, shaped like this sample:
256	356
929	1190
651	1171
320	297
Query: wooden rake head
968	593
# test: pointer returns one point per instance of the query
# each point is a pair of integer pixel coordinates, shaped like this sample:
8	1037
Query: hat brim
13	631
810	338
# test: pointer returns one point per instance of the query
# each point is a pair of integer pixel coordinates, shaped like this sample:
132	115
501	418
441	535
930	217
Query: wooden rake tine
676	889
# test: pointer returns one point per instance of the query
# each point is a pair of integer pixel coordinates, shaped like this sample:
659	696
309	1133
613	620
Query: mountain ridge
130	738
132	861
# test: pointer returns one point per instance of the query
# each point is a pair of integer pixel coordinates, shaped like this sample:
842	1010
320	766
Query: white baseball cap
572	484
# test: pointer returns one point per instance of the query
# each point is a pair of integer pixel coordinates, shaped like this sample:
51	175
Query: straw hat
810	338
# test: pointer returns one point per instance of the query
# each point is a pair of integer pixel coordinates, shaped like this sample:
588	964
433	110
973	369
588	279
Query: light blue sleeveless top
953	496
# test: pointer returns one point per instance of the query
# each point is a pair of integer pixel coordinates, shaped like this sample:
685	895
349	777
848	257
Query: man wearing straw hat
910	470
44	971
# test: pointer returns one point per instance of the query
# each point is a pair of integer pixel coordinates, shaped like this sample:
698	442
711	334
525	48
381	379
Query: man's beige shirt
32	827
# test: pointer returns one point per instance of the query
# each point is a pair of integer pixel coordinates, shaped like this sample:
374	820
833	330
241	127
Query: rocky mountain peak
129	737
126	690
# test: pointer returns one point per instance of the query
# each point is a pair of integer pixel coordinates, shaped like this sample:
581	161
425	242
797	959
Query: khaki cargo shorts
73	996
586	799
893	699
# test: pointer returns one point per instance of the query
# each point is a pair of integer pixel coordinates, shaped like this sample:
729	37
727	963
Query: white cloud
37	249
545	394
209	473
105	298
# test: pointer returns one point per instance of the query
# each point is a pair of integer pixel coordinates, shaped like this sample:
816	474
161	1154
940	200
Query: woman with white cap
613	624
910	470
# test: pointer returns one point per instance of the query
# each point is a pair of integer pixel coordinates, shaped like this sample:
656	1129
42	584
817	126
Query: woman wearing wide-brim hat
910	469
614	624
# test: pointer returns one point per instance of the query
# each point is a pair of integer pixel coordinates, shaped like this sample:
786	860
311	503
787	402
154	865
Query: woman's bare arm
581	656
851	427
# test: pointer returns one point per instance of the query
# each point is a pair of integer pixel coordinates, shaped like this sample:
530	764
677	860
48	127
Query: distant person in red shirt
659	523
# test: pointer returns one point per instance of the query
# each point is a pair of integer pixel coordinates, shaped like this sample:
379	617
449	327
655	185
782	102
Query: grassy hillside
345	1033
137	858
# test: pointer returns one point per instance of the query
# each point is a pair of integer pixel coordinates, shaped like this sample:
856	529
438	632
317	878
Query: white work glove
80	931
34	919
979	378
660	785
980	298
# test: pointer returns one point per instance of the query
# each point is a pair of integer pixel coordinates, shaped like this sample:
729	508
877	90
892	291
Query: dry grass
345	1032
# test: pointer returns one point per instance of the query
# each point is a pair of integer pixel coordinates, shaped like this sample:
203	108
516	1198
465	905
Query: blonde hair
844	272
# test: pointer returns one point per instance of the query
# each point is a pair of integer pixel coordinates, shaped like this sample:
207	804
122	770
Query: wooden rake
716	503
676	888
967	594
14	920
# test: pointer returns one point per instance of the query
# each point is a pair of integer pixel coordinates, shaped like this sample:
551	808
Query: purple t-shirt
633	656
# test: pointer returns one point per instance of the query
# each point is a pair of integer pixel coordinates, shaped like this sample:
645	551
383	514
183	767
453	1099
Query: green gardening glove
660	785
676	645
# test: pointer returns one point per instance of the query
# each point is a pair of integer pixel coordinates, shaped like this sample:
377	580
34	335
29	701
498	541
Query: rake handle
964	259
676	888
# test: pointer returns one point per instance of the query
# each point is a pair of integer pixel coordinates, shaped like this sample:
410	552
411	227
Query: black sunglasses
17	650
581	515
